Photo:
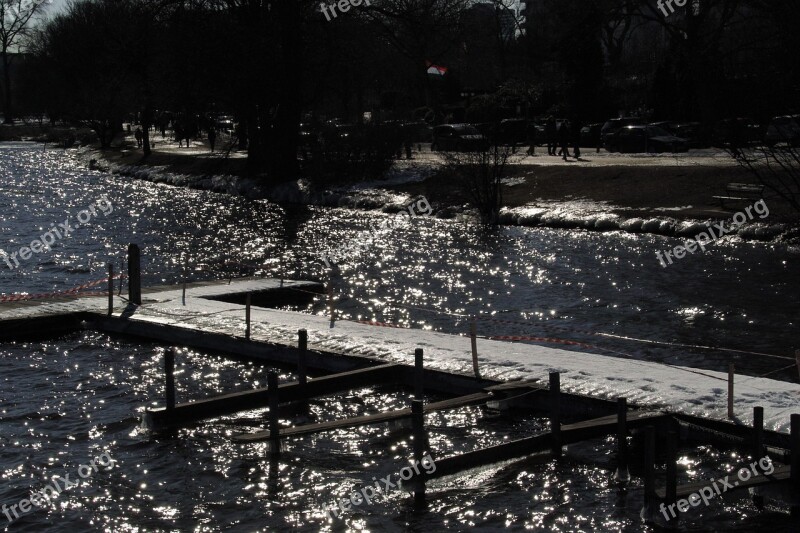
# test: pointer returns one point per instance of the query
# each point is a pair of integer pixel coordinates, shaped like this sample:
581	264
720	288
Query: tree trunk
8	118
147	121
283	163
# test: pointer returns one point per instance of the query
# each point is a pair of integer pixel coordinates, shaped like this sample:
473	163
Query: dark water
65	401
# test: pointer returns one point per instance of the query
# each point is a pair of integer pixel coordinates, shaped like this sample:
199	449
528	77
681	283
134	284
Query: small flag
435	70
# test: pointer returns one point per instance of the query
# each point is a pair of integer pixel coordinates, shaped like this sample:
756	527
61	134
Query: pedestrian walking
563	139
139	136
212	138
530	133
576	138
550	134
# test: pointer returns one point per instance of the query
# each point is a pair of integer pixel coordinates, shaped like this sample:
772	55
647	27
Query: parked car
614	125
737	131
694	132
784	129
512	132
459	138
645	139
590	135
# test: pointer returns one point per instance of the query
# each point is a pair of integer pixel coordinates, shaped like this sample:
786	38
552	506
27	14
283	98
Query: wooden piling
419	375
302	345
797	360
795	440
134	275
331	303
649	471
183	296
671	494
247	317
274	428
473	335
418	432
110	289
622	440
555	412
169	374
730	390
758	433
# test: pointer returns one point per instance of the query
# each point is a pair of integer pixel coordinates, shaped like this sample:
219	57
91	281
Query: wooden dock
223	316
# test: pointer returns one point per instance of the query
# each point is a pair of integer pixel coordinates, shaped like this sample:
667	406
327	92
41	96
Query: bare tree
480	175
16	18
776	167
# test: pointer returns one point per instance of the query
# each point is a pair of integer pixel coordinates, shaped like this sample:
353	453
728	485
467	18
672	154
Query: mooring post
331	303
134	275
795	442
247	317
730	390
169	373
302	346
473	335
555	412
110	289
797	360
671	492
758	433
418	432
274	428
419	375
649	471
622	440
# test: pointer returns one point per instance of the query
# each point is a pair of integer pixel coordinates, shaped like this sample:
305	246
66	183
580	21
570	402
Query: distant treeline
276	64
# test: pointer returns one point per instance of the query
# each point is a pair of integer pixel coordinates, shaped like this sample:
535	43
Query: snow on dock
673	388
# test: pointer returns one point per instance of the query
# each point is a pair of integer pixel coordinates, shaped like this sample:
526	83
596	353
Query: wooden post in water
302	345
419	375
731	369
649	471
555	412
247	317
274	428
418	432
134	275
331	303
795	440
302	372
473	335
169	373
758	433
671	493
110	289
622	440
797	360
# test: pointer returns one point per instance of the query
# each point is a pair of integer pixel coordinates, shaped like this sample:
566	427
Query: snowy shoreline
372	196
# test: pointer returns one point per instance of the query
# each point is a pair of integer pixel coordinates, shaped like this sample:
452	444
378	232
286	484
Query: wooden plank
517	385
366	420
734	430
781	474
186	413
570	433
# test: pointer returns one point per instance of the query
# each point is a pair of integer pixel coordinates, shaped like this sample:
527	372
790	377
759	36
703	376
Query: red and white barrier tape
46	295
518	338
